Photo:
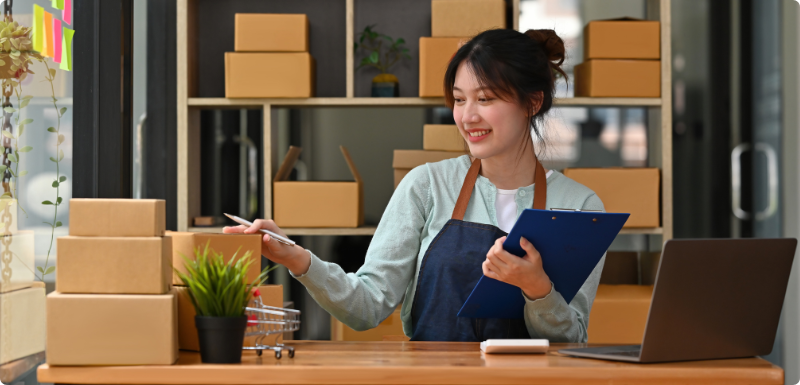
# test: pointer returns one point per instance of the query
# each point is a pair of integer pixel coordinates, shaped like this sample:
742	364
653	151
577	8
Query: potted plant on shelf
372	43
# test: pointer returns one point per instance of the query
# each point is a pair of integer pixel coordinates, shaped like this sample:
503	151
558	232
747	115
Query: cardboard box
270	32
619	314
317	204
269	75
22	323
271	295
392	326
618	78
443	137
117	217
112	329
622	39
405	160
434	56
620	268
625	190
458	18
107	265
23	264
184	244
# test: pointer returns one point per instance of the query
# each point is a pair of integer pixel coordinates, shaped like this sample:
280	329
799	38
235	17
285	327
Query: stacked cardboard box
440	142
625	190
271	58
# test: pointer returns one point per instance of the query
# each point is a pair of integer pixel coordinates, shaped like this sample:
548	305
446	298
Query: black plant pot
221	338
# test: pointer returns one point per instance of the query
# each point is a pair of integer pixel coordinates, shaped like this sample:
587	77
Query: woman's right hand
294	257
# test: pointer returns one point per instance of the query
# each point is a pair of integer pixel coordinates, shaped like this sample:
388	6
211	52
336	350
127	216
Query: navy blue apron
451	268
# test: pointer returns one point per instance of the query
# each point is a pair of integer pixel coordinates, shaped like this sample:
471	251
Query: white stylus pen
284	240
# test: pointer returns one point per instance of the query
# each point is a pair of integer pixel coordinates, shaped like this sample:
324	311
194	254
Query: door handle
736	181
772	181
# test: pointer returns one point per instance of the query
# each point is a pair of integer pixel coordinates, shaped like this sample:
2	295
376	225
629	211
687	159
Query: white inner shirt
506	207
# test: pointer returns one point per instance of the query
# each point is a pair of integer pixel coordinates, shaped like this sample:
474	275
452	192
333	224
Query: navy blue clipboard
571	244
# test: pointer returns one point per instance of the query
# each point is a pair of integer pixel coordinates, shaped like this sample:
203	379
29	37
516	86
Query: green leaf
10	110
399	41
12	172
52	72
3	168
24	103
27	97
55	183
58	201
63	178
60	138
40	269
26	149
58	224
27	121
373	58
47	203
51	129
53	160
6	195
48	223
60	154
13	158
21	130
63	110
51	268
23	173
8	134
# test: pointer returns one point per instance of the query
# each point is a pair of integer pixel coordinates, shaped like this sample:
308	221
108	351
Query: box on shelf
184	244
620	268
270	32
459	18
23	264
117	217
624	190
434	56
114	265
405	160
391	326
443	137
649	263
269	75
317	204
625	38
271	295
619	314
22	323
618	78
112	329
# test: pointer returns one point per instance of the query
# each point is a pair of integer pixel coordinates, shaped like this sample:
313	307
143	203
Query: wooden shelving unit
189	107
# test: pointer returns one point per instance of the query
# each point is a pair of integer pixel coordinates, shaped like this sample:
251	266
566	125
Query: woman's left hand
526	272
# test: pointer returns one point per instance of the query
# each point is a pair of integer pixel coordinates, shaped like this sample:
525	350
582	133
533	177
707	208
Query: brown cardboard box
458	18
184	244
22	323
650	262
117	217
405	160
622	39
443	137
112	329
618	78
392	326
270	32
317	204
619	314
122	265
269	75
271	295
434	56
620	268
624	190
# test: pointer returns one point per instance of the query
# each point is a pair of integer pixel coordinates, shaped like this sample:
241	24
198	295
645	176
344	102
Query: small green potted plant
372	43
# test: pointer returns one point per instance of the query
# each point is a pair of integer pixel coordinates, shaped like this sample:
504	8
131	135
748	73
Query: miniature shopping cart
263	320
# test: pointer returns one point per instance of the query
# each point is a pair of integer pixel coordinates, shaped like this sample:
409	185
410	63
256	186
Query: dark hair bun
552	45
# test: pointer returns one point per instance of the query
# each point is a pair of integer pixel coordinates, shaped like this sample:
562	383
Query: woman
445	224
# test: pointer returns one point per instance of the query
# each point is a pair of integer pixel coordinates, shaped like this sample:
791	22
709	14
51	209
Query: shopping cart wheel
278	354
291	353
258	352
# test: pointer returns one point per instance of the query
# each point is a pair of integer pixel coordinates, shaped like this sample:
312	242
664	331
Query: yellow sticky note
48	50
66	49
38	28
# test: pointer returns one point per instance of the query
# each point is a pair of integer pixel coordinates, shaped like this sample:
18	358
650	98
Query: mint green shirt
419	208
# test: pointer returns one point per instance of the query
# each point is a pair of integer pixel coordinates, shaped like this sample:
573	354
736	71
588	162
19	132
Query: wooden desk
327	362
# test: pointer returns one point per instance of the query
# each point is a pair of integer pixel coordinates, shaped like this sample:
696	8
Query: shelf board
607	102
367	230
399	102
646	230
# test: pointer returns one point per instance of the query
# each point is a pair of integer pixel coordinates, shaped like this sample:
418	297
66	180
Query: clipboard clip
577	210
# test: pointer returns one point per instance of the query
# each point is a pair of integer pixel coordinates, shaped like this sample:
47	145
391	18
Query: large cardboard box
114	265
184	244
625	190
434	56
620	268
405	160
317	204
112	329
117	217
390	327
22	323
622	39
443	137
270	32
619	314
22	264
271	295
459	18
618	78
269	75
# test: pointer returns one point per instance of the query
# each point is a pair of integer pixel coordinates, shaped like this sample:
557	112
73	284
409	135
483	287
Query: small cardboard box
443	137
618	78
391	326
317	204
460	18
269	75
271	295
622	39
405	160
114	265
619	314
117	217
22	323
270	32
184	244
112	329
434	56
624	190
22	264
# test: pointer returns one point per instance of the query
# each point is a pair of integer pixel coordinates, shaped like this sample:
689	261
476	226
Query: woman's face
490	125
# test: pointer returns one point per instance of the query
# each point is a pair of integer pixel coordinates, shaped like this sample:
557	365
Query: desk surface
325	362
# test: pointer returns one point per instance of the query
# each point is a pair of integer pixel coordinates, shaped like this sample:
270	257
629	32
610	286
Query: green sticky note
38	28
66	49
60	4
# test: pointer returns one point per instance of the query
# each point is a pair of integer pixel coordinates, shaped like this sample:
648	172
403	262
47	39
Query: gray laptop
713	298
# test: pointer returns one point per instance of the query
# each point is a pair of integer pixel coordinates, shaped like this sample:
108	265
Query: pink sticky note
57	40
66	14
